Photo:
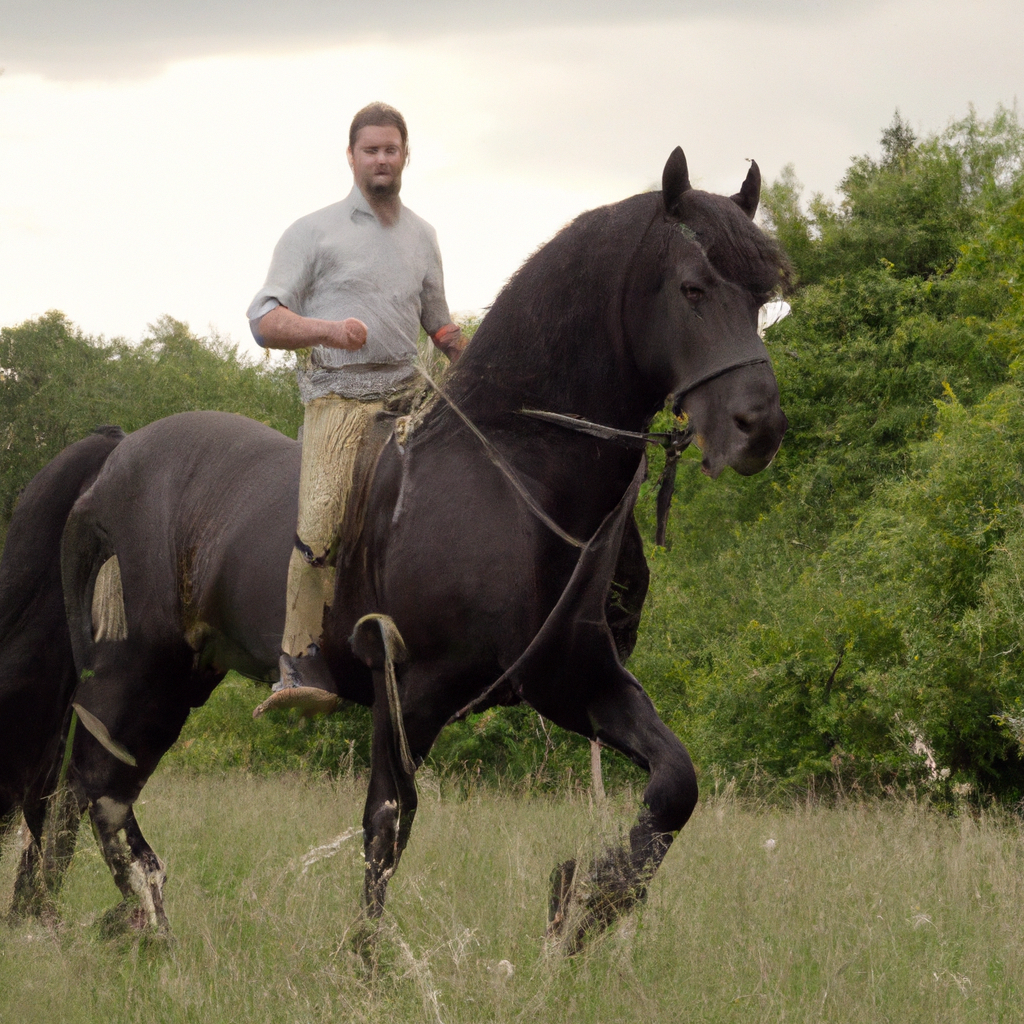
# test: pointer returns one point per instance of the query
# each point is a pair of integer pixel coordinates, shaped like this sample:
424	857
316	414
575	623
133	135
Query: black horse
489	542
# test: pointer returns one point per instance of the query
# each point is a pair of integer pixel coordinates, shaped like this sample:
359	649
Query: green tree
57	384
911	209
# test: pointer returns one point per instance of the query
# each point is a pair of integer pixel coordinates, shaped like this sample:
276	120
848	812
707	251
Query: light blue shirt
341	262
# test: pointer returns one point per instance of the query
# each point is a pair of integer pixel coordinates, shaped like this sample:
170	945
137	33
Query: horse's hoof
130	917
127	916
362	941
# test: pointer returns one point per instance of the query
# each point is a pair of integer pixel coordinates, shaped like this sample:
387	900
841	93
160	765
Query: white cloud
123	200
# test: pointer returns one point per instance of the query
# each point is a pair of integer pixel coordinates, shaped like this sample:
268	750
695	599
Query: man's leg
333	432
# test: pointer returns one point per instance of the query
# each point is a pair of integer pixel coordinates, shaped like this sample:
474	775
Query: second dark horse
491	549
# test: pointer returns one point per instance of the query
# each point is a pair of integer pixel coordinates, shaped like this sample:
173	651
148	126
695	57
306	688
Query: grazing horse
486	553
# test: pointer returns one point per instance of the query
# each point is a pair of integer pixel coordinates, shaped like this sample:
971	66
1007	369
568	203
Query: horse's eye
693	293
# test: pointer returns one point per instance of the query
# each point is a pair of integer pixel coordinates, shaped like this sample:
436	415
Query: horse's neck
594	379
556	337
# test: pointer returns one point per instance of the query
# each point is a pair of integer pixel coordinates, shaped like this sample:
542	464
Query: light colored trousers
335	430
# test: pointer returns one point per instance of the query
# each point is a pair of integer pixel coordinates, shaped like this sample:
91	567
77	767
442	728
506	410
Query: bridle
674	443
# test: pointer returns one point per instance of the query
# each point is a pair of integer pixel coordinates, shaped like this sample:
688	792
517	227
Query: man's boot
306	683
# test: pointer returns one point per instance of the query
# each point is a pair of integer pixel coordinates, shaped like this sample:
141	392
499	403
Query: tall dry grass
866	912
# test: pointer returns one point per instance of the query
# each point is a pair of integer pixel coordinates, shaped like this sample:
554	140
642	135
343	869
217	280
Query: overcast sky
152	153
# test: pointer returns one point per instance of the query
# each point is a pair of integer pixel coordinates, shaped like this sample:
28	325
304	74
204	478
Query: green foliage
57	384
912	209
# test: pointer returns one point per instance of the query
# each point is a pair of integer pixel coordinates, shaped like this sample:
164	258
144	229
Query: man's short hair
378	115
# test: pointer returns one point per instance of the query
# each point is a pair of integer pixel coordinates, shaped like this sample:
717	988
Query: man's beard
386	190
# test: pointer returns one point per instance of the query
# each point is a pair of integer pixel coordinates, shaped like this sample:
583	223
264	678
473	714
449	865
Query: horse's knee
381	826
671	794
109	815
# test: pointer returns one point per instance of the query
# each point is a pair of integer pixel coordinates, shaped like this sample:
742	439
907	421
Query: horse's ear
750	192
675	179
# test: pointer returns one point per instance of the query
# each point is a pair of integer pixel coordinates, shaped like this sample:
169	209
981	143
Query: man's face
377	160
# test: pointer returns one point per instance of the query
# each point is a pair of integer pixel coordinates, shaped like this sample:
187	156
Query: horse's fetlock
561	892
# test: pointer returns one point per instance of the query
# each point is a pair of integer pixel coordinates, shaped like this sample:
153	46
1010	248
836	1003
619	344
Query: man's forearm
282	328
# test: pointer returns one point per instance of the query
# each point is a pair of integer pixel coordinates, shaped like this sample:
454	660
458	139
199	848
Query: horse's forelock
736	247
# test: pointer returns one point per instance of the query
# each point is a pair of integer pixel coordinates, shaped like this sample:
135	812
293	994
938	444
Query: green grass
863	912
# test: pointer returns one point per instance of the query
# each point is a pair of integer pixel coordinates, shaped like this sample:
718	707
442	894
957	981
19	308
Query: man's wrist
449	340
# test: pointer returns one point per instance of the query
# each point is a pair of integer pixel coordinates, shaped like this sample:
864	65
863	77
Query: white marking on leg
148	885
111	812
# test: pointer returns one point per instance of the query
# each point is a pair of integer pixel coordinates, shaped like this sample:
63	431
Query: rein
499	461
675	442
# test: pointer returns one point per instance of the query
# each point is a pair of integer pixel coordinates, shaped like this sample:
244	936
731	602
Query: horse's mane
564	305
558	305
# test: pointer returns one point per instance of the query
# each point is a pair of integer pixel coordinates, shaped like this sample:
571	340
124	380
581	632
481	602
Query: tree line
851	617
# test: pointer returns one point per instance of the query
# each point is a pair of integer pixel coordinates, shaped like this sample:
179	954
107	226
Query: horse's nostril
744	423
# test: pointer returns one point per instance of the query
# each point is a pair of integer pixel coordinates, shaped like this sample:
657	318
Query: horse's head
712	271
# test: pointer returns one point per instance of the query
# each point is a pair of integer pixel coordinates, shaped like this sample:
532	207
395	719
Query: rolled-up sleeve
289	279
433	305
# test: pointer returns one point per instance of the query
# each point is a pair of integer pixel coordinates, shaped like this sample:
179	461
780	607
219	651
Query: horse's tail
85	551
30	567
94	604
37	669
375	639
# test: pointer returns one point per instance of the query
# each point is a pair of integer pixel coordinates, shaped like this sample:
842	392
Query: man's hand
282	328
348	334
450	341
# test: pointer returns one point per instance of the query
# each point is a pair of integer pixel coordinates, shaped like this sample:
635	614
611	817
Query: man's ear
351	162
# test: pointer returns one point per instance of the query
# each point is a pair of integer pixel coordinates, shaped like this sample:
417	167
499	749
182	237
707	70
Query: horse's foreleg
389	812
624	718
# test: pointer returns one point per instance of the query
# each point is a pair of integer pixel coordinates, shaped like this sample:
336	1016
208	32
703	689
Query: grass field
865	912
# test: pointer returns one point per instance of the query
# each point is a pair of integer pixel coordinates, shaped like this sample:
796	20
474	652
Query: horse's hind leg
60	836
50	834
27	898
135	693
137	870
624	718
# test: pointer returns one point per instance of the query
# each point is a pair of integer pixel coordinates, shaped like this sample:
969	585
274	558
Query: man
353	283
